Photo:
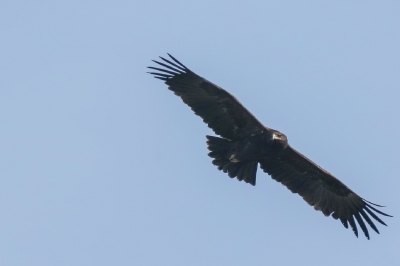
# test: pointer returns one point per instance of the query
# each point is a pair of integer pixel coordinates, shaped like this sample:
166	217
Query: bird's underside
245	143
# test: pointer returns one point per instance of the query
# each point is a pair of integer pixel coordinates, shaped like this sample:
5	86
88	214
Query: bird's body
245	143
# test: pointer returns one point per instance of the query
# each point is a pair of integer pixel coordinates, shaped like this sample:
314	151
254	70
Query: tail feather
231	168
248	173
221	149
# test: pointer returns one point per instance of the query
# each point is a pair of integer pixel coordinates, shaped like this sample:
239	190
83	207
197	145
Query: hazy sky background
101	165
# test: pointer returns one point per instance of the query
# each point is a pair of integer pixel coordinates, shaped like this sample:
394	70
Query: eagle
245	143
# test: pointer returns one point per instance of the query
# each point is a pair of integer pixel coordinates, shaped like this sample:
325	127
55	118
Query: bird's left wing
322	190
223	113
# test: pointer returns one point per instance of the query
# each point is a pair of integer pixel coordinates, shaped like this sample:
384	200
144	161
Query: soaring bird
245	143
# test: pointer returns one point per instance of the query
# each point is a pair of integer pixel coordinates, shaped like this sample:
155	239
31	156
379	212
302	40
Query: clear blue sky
101	165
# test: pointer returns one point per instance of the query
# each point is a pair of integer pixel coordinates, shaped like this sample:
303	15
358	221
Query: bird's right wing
223	113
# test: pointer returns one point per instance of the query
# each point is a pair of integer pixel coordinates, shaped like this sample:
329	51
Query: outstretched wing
322	190
220	110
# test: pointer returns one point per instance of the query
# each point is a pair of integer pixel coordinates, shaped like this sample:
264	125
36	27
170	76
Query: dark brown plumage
245	143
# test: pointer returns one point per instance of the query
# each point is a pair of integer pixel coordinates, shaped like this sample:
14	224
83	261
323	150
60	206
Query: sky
100	164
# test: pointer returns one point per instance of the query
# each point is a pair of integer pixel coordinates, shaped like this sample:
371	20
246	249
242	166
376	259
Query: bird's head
279	139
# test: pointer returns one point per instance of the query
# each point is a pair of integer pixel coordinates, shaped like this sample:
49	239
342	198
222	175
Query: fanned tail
221	150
